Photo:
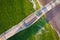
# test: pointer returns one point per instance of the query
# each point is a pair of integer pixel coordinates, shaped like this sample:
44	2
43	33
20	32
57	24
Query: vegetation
14	11
33	33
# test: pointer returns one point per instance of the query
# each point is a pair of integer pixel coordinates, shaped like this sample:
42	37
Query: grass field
13	11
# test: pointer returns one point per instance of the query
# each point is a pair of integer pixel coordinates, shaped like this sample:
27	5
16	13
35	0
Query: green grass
32	33
12	12
37	4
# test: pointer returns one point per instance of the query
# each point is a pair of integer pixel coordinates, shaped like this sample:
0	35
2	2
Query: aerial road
28	21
